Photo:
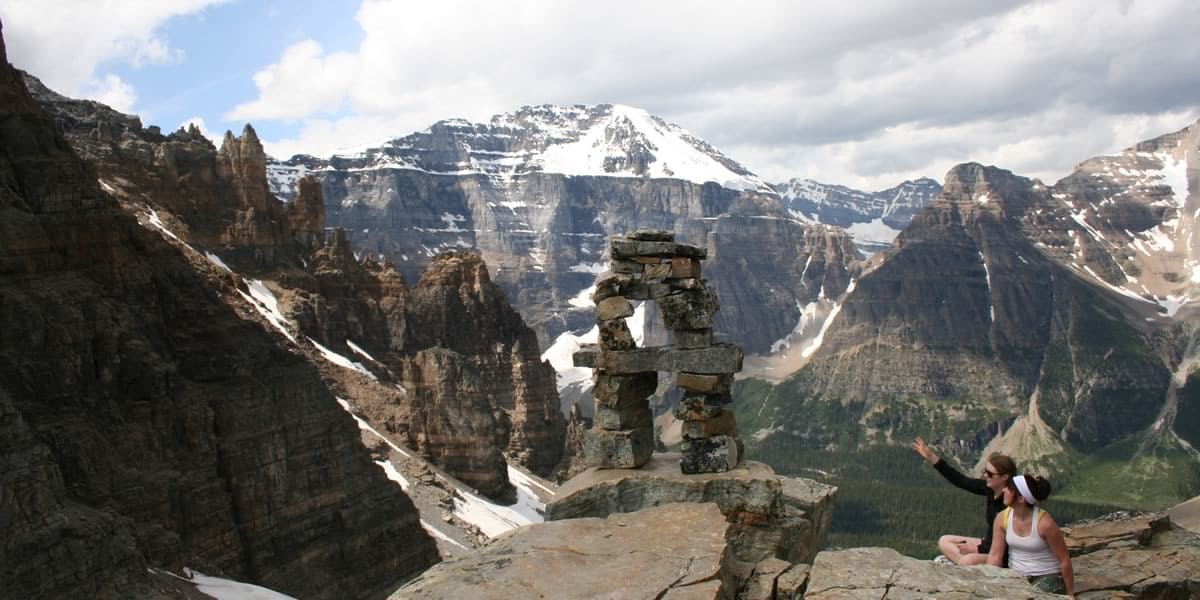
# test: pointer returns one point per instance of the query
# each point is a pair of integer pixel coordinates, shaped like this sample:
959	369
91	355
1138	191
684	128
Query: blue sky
838	92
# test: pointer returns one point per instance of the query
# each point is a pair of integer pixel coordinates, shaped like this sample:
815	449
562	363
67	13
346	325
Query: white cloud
825	90
67	43
111	90
303	83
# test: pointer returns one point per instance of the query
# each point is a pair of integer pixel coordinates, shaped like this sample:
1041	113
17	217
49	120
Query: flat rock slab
660	552
877	573
750	487
1086	537
1170	572
716	359
1186	514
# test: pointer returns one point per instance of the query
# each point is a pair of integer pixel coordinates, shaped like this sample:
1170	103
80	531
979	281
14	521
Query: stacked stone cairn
650	265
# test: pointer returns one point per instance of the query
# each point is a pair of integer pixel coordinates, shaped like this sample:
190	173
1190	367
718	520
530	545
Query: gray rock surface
1140	556
878	573
663	550
767	522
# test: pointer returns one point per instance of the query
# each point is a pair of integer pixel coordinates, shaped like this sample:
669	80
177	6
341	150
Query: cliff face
146	425
219	201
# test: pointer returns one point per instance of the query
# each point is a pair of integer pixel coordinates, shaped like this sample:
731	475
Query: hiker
998	473
1035	544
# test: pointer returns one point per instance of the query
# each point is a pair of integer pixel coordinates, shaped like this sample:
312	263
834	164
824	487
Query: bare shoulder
1046	523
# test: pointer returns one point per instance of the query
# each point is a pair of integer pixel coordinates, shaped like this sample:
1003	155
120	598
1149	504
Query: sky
853	93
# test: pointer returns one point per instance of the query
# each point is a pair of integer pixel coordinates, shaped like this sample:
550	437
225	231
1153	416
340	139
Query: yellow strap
1008	515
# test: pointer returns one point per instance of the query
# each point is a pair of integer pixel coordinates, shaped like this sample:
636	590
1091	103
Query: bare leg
974	559
956	547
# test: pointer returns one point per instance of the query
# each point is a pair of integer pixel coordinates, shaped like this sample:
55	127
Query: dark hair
1038	486
1004	464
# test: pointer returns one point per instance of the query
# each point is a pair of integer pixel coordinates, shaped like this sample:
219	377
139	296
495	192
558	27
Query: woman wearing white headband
1035	544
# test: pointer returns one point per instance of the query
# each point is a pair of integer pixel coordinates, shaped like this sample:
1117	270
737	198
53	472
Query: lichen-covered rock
618	449
713	454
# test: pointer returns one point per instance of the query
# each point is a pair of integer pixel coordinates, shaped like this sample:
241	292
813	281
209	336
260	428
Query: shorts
1052	583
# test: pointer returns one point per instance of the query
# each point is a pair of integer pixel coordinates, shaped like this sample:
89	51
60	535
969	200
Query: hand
922	448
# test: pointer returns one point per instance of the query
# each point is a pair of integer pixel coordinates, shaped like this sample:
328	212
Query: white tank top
1029	555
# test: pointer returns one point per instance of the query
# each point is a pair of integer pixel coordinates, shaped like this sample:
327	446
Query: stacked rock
650	265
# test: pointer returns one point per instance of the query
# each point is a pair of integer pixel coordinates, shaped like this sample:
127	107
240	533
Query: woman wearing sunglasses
1035	544
997	474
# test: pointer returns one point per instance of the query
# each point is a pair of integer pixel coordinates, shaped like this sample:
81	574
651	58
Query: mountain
539	191
1054	322
873	219
148	426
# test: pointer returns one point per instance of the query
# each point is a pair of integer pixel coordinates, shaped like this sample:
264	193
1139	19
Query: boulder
673	551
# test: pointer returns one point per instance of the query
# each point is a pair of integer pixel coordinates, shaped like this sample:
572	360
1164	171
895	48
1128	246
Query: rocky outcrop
146	425
770	516
456	295
885	573
217	199
1125	556
673	551
306	214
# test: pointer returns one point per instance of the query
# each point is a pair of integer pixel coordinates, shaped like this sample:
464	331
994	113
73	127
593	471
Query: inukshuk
650	265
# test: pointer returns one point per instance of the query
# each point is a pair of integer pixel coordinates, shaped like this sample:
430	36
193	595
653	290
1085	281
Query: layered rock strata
770	516
144	424
650	265
454	318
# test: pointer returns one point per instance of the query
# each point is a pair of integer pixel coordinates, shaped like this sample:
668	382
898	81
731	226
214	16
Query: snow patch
559	356
816	343
228	589
216	260
875	231
584	298
394	475
359	351
596	268
340	360
265	303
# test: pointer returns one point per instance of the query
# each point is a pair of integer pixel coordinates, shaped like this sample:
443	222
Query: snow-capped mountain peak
599	141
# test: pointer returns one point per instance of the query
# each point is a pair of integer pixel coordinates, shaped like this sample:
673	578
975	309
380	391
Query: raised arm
970	484
999	544
1050	531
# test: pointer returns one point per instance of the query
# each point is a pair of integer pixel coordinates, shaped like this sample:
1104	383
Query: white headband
1023	487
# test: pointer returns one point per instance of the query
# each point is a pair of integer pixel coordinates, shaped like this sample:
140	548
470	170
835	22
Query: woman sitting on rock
1035	544
998	473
